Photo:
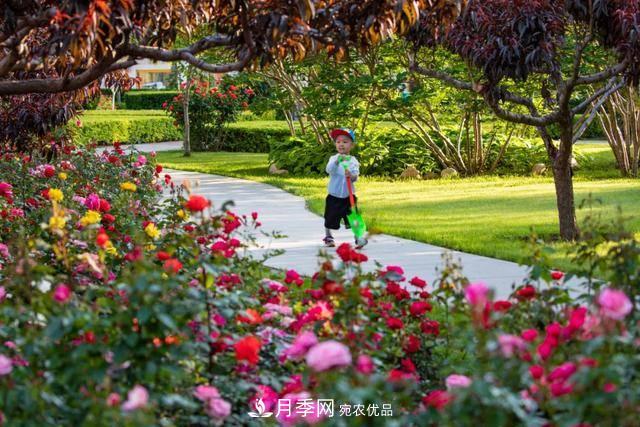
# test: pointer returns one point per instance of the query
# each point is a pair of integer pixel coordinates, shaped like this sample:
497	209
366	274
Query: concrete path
286	213
149	147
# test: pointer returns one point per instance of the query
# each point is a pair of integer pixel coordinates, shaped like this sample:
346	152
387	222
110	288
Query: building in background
153	74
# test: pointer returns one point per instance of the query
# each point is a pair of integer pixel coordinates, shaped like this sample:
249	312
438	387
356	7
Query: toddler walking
341	166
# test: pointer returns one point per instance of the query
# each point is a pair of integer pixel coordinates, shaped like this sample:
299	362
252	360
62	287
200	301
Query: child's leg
331	220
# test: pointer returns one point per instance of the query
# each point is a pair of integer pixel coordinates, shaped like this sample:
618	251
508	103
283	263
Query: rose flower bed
121	307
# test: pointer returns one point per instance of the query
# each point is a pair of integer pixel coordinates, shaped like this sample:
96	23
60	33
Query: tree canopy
84	40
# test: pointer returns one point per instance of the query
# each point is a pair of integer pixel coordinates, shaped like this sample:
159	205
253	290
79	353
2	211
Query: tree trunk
563	179
187	134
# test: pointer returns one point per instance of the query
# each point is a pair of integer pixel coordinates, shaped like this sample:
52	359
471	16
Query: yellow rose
57	222
111	250
55	195
152	231
91	217
182	214
62	176
128	186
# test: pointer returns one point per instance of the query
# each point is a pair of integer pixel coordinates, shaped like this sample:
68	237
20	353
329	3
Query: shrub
108	127
147	99
210	110
253	136
384	151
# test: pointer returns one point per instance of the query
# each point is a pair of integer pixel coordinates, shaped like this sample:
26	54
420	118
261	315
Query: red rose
418	282
49	171
108	218
412	345
536	371
394	323
501	305
344	252
158	168
172	265
430	327
105	206
197	203
437	399
293	277
162	256
418	308
102	239
526	292
248	349
557	275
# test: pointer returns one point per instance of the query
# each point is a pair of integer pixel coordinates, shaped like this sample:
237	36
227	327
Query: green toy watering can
356	222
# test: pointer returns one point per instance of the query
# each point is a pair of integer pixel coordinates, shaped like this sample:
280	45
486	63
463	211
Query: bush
147	99
107	127
122	307
210	110
253	136
383	152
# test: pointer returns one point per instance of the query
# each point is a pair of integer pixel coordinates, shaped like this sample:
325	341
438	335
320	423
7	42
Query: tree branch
20	87
577	134
602	75
579	109
491	99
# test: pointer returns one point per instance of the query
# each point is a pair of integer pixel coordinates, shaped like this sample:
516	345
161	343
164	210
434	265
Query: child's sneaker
329	242
361	242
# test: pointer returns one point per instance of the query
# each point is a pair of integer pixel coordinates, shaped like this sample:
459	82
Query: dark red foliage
617	24
509	38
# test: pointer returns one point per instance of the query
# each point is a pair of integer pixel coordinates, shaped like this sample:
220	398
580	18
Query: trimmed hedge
249	137
147	99
124	127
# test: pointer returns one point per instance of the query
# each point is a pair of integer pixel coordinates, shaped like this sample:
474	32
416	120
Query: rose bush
210	109
122	307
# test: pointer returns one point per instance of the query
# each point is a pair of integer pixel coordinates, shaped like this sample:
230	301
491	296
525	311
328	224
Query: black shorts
335	209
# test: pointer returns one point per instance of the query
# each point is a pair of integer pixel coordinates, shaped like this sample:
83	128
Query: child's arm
354	169
332	165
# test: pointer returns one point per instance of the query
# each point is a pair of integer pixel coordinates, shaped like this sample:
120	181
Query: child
337	204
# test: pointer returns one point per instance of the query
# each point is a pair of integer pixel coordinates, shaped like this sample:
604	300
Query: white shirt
337	186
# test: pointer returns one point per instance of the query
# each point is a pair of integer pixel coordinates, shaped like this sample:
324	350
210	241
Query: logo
261	410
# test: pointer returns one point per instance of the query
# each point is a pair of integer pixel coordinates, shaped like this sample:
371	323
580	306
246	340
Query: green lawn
490	216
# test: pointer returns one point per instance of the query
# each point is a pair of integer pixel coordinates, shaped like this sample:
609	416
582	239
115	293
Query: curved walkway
283	212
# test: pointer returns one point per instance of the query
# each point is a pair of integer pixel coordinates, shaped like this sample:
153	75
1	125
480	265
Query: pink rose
268	396
476	294
614	304
529	335
328	354
310	414
6	366
364	364
92	201
562	372
113	399
457	381
62	293
218	408
137	398
4	251
3	293
206	392
303	342
511	344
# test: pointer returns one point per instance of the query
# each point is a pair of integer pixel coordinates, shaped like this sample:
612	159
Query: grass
491	216
108	115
